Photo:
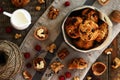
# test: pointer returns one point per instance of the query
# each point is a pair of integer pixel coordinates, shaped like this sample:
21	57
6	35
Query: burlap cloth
55	35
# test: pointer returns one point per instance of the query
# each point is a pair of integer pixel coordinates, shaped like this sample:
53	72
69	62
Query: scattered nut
56	66
27	75
89	77
41	1
53	13
63	53
76	78
17	36
116	63
115	16
38	8
51	47
108	51
103	2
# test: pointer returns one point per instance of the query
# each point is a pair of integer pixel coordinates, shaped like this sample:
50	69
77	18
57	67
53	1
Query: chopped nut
116	63
17	36
63	53
108	51
53	13
89	77
76	78
51	48
41	1
38	8
27	75
56	66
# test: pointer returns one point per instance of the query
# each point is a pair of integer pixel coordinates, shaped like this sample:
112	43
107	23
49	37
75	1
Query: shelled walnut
116	63
38	8
27	75
51	47
17	36
53	12
62	54
56	66
76	78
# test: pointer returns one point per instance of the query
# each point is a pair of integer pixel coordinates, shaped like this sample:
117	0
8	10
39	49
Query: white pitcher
20	19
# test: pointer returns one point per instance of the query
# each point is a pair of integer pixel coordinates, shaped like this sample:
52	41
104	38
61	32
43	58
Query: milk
20	19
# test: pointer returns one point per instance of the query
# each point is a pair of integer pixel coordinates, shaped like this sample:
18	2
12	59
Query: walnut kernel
108	51
41	1
17	36
116	63
38	8
27	75
51	47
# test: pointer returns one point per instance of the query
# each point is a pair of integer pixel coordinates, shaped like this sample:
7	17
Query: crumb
17	36
37	8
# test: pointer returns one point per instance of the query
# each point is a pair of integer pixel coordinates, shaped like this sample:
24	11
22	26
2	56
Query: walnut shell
20	3
115	16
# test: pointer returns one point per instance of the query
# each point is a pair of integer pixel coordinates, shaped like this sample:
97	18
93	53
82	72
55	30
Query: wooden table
4	23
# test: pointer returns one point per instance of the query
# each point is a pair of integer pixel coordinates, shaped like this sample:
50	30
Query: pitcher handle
7	14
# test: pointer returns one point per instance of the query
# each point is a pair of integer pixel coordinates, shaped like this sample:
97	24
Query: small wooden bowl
98	68
37	61
45	33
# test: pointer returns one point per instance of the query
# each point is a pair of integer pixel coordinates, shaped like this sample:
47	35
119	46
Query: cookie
20	3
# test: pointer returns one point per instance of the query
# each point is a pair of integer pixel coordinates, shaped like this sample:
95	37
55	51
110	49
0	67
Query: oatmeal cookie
20	3
83	44
72	31
90	14
88	30
103	31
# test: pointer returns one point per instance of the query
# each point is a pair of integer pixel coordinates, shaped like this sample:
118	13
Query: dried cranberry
28	65
37	47
67	74
61	77
27	55
1	9
67	3
8	29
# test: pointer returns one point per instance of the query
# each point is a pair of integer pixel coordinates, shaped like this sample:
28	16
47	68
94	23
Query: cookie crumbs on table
27	75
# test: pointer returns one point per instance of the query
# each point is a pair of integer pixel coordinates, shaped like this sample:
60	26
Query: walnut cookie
20	3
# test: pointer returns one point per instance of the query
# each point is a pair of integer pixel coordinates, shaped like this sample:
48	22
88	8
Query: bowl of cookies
87	29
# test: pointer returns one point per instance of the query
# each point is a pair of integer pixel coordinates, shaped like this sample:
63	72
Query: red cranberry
61	77
1	9
67	3
28	65
67	74
27	55
8	29
37	47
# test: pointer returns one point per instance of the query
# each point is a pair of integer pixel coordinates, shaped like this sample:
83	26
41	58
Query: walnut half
116	63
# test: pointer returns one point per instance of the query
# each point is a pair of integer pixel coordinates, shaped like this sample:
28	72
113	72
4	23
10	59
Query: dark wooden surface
4	22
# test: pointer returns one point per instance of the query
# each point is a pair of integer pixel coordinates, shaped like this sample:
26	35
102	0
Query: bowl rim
103	16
